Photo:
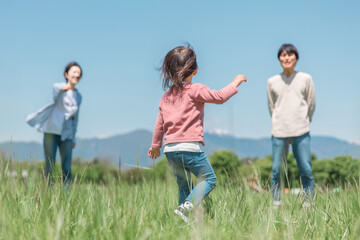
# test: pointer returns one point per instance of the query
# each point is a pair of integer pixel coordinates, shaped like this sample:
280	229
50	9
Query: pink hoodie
181	116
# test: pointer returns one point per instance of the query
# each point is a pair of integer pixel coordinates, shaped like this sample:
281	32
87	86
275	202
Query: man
291	100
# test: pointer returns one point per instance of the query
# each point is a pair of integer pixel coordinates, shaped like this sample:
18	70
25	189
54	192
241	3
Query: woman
58	121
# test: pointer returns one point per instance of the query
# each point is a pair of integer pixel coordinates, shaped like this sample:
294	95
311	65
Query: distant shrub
290	171
338	171
226	165
263	167
160	170
133	176
98	172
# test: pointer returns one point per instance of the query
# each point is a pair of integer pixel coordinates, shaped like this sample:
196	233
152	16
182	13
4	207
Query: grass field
145	210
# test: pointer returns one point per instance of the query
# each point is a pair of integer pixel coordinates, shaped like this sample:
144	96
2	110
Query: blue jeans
51	143
182	163
301	150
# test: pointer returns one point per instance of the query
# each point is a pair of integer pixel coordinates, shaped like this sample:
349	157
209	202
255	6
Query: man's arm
271	101
310	98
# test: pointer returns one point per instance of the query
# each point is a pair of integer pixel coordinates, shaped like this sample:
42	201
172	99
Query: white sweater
291	103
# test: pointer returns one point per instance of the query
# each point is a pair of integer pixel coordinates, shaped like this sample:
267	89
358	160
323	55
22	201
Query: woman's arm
57	90
75	123
76	118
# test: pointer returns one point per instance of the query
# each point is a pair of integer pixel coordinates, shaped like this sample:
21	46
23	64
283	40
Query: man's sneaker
277	204
306	203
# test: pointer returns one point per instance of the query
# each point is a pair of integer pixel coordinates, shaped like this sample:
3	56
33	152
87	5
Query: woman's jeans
301	150
182	163
51	143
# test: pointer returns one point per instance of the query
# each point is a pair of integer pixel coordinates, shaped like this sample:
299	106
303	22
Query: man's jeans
301	150
51	143
182	163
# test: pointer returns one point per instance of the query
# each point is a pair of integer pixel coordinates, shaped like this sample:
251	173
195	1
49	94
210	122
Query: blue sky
120	44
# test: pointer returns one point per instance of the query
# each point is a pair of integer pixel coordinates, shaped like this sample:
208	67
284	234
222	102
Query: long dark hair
71	64
178	64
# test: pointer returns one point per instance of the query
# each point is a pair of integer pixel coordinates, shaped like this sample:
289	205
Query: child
180	119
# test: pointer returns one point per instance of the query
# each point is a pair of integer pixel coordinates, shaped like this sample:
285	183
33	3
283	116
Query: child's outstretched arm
238	80
203	93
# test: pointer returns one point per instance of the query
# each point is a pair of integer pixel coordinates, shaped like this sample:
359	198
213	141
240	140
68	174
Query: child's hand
154	153
238	80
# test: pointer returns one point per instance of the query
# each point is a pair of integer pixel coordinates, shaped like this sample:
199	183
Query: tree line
229	168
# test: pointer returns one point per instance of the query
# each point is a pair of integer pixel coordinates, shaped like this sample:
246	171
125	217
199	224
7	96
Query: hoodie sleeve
202	93
158	131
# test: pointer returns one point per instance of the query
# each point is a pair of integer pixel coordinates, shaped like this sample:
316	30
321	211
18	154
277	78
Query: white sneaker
178	212
188	206
306	204
184	210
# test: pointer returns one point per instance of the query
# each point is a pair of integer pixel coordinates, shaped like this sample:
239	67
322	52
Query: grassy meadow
145	210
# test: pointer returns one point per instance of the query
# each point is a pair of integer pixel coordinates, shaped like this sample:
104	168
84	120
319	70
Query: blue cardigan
39	118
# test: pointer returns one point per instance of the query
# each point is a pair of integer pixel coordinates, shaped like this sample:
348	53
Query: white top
65	107
291	103
183	147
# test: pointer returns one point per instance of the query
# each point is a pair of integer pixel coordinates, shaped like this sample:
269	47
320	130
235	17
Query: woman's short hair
70	65
289	48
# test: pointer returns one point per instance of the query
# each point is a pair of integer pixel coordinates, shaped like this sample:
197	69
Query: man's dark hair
289	48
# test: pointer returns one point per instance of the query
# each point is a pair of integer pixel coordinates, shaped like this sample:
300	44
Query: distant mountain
132	148
323	147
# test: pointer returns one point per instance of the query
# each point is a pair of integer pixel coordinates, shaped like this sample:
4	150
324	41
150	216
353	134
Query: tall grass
118	210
